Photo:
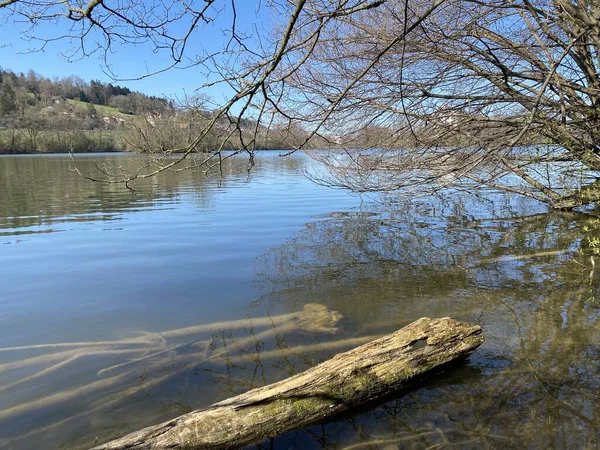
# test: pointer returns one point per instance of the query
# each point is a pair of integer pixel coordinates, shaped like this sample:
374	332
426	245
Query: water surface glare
121	309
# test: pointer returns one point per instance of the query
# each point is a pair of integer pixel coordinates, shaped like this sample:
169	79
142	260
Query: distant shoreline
125	152
62	153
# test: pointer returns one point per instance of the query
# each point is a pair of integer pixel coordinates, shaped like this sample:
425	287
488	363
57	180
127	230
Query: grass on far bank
103	111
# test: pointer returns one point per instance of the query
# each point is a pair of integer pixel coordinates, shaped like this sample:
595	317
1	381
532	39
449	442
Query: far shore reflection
123	309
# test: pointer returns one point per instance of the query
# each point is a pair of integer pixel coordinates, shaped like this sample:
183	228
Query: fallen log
346	381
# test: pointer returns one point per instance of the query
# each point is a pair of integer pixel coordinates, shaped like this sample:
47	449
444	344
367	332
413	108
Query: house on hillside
153	117
57	100
112	120
447	116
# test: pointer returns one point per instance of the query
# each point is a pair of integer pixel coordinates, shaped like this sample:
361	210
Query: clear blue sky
128	61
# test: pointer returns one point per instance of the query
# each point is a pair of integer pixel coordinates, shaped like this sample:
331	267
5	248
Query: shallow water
188	291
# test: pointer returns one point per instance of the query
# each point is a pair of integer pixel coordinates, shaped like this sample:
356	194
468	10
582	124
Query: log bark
348	380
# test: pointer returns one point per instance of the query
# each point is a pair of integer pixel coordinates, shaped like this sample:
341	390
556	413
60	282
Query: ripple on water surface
120	309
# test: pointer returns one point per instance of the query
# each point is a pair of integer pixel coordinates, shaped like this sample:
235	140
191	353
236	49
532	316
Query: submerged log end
348	380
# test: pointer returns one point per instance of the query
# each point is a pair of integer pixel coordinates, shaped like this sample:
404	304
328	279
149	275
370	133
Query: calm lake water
121	309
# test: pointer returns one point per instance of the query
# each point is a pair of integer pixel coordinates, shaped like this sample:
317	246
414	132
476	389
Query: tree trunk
348	380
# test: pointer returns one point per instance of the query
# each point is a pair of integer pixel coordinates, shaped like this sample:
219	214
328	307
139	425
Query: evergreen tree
83	96
8	100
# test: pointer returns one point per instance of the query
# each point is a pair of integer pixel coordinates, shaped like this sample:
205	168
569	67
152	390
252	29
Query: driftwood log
348	380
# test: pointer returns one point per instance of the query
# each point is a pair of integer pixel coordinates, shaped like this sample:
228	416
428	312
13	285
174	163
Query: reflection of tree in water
44	189
535	382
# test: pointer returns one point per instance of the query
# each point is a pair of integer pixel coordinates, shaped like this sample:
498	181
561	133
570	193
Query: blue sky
128	61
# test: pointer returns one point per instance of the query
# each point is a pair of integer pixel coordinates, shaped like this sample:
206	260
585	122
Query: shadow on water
347	277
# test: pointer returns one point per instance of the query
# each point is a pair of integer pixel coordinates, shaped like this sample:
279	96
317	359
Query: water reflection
533	384
249	259
44	190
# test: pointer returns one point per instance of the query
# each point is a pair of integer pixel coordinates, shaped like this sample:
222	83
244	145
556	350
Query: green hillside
102	110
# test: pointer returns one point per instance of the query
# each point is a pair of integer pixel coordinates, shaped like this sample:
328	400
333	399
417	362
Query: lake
122	309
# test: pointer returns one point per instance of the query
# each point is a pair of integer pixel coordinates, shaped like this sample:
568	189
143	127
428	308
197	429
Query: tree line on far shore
39	114
43	115
20	92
